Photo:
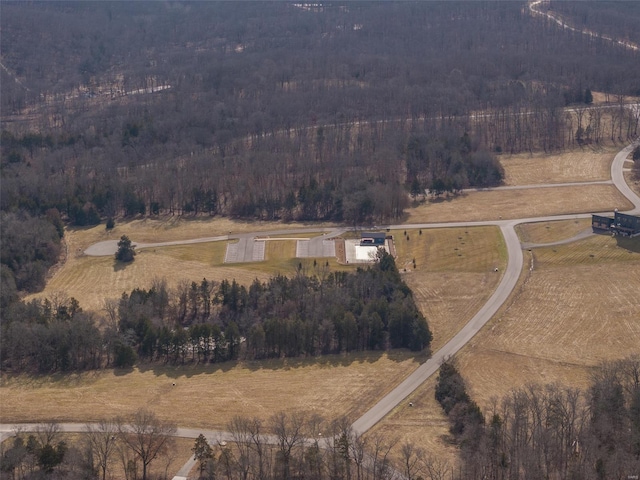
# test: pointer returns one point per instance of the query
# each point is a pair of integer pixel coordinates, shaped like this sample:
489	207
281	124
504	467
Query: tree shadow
447	198
119	266
121	372
190	369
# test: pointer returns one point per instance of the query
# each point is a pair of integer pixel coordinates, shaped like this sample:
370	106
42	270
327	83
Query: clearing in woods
573	310
573	166
208	396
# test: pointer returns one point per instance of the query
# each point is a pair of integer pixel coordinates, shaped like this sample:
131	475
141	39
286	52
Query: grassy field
507	204
548	232
209	396
579	307
93	279
454	273
571	312
573	166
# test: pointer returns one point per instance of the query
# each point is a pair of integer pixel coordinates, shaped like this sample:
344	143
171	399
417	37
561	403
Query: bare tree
147	436
240	429
289	432
102	439
48	432
410	459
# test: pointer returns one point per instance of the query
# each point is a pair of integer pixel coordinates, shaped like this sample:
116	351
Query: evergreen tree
588	97
126	252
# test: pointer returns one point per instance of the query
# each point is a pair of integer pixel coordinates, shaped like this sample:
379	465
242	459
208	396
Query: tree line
313	312
124	446
30	246
549	431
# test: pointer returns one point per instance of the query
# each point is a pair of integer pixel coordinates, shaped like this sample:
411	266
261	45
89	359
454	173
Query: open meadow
511	204
580	165
208	396
575	306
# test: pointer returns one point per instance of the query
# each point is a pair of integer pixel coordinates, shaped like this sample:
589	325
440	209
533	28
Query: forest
274	111
344	112
314	312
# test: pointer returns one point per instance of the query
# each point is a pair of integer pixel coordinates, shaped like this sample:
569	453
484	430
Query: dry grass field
508	204
424	425
454	273
91	280
548	232
209	396
578	307
584	165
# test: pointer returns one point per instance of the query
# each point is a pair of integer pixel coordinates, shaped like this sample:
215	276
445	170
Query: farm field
574	311
572	166
209	396
511	204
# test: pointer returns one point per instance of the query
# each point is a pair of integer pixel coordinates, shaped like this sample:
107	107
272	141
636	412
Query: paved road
423	372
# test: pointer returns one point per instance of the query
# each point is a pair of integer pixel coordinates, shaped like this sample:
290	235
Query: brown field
579	307
209	396
454	273
571	312
424	425
91	280
548	232
584	165
508	204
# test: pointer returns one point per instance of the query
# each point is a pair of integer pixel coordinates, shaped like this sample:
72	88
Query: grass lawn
578	307
584	165
209	396
548	232
508	204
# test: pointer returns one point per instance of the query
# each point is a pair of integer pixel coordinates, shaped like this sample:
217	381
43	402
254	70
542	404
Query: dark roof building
621	224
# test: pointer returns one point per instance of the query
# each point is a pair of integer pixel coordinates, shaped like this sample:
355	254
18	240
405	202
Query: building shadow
631	244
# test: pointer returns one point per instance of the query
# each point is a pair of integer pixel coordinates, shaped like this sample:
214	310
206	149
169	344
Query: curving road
423	372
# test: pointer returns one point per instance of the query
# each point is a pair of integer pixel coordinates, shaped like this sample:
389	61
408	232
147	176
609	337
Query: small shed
372	239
